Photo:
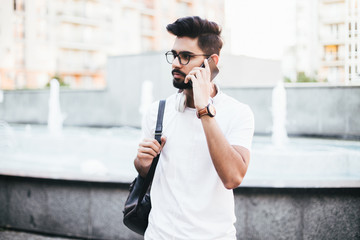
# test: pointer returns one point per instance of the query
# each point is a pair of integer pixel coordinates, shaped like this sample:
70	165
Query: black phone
213	68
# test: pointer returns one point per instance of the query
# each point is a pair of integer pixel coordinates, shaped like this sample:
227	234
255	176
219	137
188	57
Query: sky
261	28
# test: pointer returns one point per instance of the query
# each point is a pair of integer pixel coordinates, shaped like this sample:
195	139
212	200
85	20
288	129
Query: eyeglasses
183	57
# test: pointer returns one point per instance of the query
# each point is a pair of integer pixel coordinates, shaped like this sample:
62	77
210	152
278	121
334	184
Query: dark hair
207	32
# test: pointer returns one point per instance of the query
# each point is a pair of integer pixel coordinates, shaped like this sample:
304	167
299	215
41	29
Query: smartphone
213	68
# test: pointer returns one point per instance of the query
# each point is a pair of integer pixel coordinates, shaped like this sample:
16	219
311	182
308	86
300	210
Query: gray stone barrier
93	210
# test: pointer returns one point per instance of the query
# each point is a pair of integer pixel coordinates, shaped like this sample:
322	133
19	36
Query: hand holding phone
203	89
214	70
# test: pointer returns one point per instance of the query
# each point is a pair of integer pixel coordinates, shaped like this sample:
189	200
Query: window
350	29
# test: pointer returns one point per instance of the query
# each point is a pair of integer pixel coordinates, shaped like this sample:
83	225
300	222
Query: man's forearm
230	162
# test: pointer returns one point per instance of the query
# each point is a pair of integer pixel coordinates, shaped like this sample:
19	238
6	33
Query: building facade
332	34
327	40
71	39
352	41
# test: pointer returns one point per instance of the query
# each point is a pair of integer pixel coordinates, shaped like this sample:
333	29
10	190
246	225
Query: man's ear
215	57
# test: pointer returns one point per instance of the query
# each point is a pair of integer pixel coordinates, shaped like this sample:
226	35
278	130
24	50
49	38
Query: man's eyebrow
186	52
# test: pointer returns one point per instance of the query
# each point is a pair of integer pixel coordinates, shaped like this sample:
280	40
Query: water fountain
57	167
7	136
1	93
301	162
1	96
279	135
146	96
55	117
105	154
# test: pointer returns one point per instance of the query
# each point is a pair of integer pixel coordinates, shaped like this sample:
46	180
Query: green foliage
60	79
301	77
287	80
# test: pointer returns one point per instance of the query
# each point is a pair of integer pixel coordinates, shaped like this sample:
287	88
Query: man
205	149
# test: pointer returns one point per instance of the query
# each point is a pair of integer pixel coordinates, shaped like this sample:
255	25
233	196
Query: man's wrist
208	110
201	106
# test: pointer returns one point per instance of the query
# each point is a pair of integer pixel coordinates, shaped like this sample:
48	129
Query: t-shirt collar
217	97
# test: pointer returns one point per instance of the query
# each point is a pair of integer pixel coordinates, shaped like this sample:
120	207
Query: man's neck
189	98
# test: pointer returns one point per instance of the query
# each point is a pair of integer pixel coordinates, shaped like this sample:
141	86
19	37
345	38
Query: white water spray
55	117
279	135
146	96
1	93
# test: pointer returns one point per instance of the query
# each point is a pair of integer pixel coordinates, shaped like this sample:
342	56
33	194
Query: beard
179	82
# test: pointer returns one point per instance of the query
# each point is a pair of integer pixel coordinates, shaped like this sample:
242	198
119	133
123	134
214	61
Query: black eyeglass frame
176	55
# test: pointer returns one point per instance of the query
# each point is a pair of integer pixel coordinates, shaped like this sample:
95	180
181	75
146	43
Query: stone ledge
93	210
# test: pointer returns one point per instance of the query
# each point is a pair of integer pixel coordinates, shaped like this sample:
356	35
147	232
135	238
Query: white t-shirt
189	200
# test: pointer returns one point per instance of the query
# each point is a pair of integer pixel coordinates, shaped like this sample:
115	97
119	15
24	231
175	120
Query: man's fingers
190	77
144	156
199	73
151	143
207	66
163	141
187	78
149	140
151	146
193	73
148	151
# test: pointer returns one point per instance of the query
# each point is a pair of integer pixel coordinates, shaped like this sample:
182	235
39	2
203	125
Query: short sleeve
241	130
149	121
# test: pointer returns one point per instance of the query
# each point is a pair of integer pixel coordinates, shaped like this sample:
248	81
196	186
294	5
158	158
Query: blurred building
71	39
307	38
352	41
327	41
333	23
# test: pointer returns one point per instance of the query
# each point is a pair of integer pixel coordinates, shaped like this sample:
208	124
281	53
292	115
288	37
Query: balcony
148	33
333	15
185	1
82	21
80	46
89	10
148	11
332	1
77	35
333	19
332	63
130	4
332	41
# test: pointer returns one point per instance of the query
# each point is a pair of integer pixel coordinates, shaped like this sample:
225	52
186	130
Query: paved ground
14	235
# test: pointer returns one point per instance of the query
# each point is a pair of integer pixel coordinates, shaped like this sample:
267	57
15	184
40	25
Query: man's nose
176	63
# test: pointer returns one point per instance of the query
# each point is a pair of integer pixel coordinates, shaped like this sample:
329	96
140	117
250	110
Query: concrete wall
94	210
116	105
79	107
269	213
243	71
312	110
